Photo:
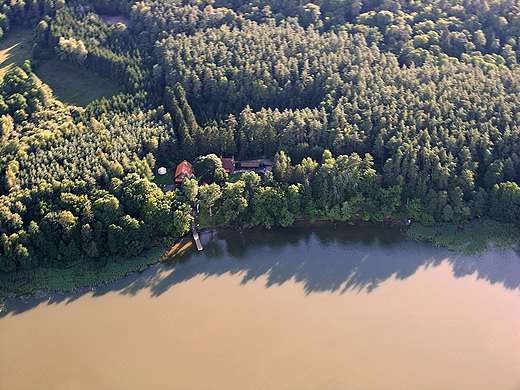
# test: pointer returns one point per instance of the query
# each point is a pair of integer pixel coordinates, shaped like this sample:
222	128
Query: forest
362	107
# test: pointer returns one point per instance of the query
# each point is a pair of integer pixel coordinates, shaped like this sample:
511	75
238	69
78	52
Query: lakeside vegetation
473	237
362	108
79	275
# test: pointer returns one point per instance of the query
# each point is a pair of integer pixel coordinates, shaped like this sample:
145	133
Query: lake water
308	308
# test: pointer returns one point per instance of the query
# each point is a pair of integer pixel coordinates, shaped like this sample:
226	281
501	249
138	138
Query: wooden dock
196	236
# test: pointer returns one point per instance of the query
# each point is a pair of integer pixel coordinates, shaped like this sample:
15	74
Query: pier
196	236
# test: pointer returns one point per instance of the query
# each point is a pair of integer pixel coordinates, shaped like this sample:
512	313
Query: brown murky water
312	308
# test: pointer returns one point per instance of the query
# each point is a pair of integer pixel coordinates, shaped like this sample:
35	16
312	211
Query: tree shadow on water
497	266
320	258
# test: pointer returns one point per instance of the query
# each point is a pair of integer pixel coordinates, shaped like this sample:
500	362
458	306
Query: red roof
228	164
184	169
250	165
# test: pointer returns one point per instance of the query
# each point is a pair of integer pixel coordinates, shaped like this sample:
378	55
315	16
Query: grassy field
169	178
70	85
74	86
15	48
203	220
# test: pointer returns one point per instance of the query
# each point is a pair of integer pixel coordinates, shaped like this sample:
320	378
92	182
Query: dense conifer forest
362	107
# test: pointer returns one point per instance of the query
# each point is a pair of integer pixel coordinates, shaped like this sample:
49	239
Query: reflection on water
249	312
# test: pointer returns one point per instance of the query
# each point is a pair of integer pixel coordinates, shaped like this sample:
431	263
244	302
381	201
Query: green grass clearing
203	219
15	48
169	178
74	86
70	85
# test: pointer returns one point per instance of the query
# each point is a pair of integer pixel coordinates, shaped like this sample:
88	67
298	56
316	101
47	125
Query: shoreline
389	223
474	238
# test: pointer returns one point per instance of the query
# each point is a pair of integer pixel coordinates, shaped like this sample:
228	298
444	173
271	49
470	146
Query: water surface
307	308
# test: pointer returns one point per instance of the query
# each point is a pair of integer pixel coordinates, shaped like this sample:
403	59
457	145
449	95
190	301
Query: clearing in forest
70	85
75	86
15	48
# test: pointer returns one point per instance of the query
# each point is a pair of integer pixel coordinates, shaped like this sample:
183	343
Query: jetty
405	212
196	236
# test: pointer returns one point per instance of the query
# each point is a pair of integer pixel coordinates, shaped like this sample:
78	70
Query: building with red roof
184	171
249	165
228	164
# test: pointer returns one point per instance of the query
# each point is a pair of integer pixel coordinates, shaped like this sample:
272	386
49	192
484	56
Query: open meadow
70	85
74	86
15	48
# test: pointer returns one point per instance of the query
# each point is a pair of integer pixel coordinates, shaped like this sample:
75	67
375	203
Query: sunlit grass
15	48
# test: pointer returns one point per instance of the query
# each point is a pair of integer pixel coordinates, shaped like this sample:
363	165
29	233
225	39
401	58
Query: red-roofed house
184	170
249	165
228	164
